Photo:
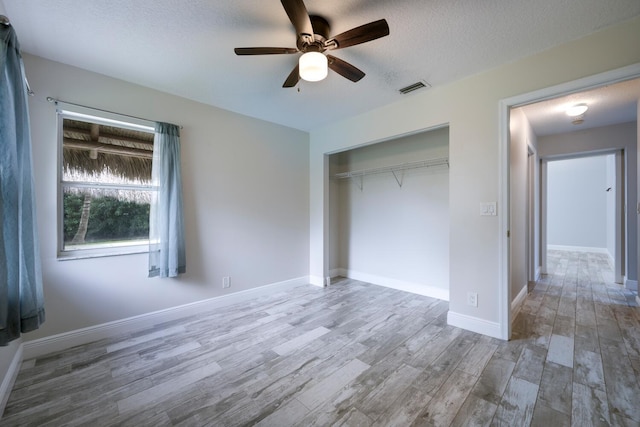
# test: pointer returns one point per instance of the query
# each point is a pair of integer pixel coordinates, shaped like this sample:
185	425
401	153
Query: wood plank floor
357	354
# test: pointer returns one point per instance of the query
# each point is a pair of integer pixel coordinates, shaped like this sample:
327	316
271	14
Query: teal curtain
21	297
166	223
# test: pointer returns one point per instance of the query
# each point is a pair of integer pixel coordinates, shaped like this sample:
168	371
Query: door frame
504	107
532	207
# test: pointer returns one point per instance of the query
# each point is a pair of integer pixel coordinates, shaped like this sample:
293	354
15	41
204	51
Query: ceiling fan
313	40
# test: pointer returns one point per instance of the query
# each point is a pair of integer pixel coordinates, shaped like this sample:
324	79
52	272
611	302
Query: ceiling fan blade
293	77
362	34
299	17
264	50
345	69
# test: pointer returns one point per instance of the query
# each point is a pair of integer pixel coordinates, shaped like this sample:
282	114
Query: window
105	185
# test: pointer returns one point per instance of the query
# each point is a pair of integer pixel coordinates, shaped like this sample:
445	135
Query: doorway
507	111
584	207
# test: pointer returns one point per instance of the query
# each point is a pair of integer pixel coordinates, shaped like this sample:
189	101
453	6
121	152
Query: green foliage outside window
109	219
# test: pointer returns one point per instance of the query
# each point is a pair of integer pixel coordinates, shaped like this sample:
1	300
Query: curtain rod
4	20
55	101
29	91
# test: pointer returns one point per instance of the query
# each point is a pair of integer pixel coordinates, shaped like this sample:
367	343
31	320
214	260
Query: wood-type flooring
356	354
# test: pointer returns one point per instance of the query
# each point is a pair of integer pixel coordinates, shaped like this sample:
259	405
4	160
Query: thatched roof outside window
106	153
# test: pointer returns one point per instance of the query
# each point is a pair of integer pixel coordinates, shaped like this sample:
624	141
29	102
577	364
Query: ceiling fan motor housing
315	43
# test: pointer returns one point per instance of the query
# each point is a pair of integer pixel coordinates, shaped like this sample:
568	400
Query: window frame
99	117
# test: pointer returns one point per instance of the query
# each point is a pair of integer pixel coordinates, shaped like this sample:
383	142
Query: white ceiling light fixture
577	110
313	66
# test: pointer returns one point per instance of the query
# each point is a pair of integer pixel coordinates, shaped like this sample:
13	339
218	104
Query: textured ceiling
186	48
608	105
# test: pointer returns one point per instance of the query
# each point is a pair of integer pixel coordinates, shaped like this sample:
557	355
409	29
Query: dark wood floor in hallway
357	354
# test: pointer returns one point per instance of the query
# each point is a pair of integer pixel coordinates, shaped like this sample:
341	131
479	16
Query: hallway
581	332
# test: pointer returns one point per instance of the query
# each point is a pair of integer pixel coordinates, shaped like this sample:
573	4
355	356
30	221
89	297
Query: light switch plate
488	209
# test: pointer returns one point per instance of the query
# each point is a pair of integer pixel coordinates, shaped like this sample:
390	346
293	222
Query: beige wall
470	107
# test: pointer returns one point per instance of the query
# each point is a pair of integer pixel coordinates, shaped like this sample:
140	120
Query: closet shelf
394	169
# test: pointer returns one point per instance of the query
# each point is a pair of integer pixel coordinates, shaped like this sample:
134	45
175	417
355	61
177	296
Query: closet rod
394	168
4	20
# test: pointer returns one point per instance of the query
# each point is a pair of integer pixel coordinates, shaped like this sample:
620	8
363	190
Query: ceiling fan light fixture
313	66
577	110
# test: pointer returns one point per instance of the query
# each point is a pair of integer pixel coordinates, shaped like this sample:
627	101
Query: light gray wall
601	140
577	202
388	231
521	137
246	203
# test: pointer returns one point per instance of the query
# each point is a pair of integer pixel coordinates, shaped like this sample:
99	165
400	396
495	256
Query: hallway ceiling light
577	110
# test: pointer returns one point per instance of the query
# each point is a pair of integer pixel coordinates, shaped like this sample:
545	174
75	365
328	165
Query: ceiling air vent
415	86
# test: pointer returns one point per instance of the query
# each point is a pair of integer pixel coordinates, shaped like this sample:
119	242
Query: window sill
102	252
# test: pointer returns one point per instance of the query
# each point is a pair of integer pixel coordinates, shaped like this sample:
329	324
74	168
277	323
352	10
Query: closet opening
389	213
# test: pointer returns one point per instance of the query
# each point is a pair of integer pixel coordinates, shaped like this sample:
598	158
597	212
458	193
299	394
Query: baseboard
337	272
578	249
475	324
611	259
66	340
632	285
317	281
516	304
538	274
401	285
10	378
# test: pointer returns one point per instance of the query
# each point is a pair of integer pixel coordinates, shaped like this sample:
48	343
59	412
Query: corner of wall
517	302
475	324
10	375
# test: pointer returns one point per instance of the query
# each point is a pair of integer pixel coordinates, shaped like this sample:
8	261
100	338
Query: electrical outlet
226	282
472	299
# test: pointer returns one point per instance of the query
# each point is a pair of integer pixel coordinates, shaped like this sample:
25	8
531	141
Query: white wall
611	205
606	139
392	235
246	202
577	202
521	138
471	108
